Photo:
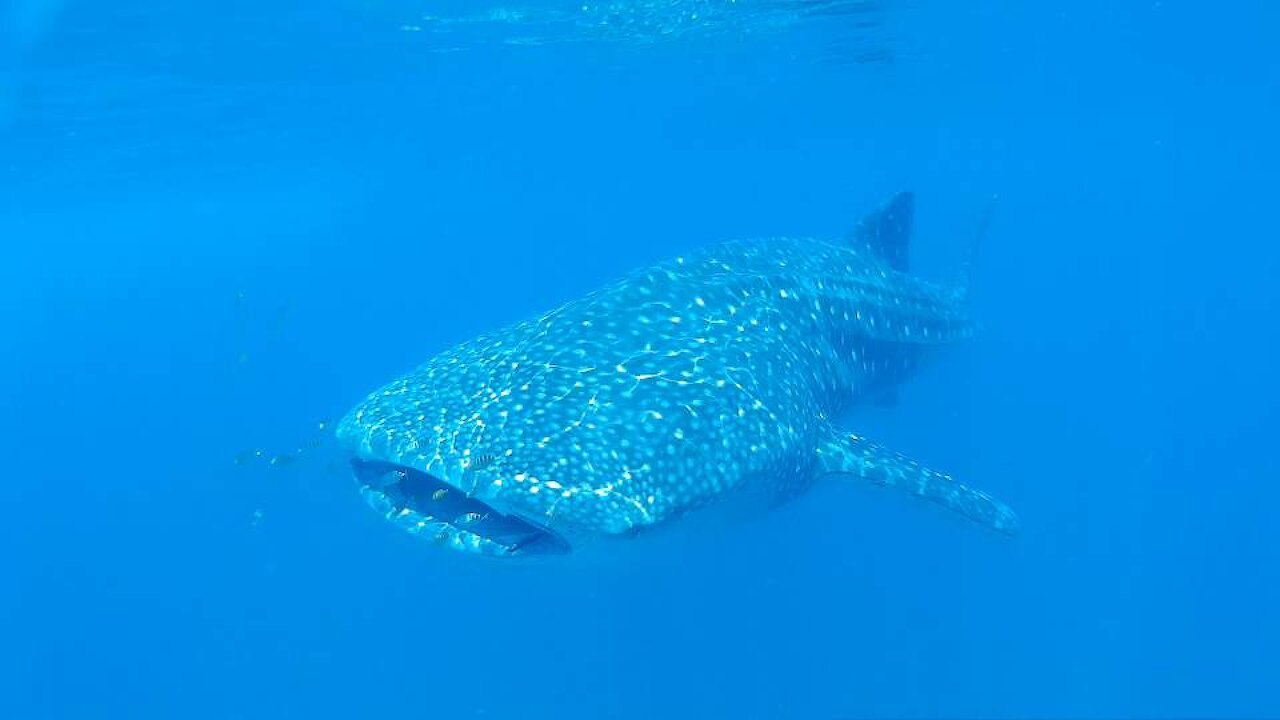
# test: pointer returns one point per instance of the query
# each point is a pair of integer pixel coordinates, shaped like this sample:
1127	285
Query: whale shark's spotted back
657	394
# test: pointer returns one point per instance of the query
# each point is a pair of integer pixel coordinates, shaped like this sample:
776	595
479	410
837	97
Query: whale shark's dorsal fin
848	454
887	231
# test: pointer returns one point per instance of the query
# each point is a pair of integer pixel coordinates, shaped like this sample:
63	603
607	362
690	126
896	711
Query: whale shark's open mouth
427	506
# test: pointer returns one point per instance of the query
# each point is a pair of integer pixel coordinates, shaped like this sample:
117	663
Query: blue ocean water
222	224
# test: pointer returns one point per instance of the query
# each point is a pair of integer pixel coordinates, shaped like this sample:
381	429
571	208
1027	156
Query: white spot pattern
626	421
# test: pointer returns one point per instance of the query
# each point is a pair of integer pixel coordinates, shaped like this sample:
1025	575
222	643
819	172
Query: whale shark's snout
427	506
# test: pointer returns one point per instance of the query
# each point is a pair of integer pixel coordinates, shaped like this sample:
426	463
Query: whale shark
647	22
720	375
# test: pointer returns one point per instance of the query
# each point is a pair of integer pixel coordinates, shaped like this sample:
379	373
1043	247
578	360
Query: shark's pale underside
712	376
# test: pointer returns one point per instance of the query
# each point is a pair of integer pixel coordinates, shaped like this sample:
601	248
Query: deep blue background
221	222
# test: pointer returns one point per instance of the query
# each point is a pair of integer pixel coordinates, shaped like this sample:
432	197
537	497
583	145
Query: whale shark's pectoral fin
848	454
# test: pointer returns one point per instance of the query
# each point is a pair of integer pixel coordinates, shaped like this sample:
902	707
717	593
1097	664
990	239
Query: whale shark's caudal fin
843	453
887	231
973	254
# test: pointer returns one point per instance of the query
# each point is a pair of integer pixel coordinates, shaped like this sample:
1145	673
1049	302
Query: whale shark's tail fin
973	254
886	233
843	453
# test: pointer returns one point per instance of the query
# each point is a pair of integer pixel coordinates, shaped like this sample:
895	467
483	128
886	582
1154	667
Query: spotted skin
669	389
651	21
850	454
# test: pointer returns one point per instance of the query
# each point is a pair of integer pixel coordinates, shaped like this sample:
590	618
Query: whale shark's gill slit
425	505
